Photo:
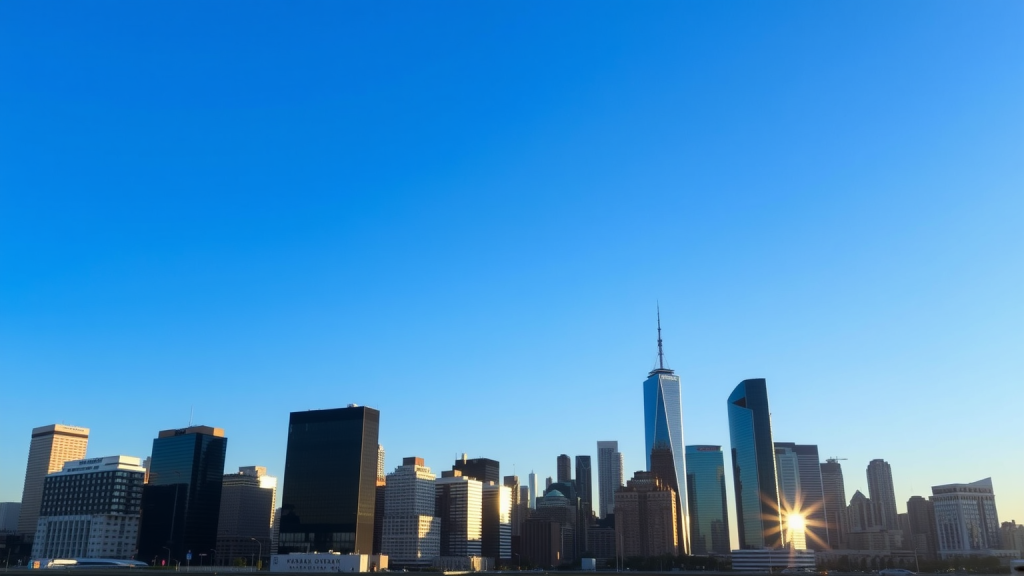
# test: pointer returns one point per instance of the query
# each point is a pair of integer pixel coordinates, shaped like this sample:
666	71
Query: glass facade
759	523
801	490
330	477
705	486
663	427
181	503
584	485
459	505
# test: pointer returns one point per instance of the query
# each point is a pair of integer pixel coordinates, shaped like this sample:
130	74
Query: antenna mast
661	358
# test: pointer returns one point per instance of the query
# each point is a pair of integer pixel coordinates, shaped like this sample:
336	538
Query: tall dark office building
834	491
496	522
330	477
881	492
584	482
564	468
181	502
759	522
480	469
800	489
705	487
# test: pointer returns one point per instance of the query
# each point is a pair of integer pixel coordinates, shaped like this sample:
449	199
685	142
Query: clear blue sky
464	213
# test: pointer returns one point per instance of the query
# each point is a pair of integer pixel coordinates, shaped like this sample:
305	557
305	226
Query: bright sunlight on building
795	531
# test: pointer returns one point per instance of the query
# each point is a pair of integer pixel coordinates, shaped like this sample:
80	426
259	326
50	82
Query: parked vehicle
895	572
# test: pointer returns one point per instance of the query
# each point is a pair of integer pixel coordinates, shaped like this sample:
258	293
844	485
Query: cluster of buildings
791	509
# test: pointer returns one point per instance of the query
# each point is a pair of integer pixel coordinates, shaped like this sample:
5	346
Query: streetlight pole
214	559
261	550
168	554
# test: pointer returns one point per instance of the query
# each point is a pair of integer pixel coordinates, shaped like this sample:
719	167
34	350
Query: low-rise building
328	562
772	559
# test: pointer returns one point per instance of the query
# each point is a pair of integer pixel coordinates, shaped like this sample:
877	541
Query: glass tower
801	490
705	486
330	477
181	502
663	427
584	484
758	520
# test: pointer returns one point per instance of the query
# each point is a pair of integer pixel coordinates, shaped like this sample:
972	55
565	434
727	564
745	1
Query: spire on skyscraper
661	357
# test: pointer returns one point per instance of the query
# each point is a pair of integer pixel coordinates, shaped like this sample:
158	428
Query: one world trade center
663	427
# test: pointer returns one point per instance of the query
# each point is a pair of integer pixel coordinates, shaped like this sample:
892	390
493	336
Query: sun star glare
795	521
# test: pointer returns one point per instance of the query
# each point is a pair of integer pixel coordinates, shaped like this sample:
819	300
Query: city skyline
873	468
464	215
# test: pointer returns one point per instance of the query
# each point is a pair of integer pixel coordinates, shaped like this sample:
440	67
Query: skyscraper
496	522
246	518
532	478
922	526
9	512
584	486
560	505
564	468
609	474
705	487
51	447
480	469
801	492
759	522
459	505
882	494
380	495
834	493
645	517
966	518
663	434
411	534
862	514
517	504
181	503
90	509
330	476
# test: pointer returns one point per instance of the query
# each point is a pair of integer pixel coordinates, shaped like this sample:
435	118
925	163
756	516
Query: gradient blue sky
463	214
